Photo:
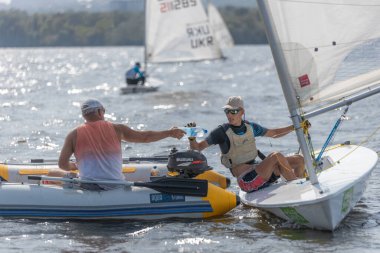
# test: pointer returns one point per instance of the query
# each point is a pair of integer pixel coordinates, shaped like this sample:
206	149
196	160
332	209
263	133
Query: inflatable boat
151	191
128	202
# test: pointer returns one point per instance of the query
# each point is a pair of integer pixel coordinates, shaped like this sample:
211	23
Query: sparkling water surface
40	93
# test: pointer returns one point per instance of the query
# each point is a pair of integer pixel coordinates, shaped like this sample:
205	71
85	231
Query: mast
145	37
287	87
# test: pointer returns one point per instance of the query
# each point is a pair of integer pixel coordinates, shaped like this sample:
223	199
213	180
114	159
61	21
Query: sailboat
180	31
177	32
314	45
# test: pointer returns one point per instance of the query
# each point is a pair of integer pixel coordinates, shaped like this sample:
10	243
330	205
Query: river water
40	93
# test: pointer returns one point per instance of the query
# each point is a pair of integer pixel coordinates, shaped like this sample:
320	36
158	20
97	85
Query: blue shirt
134	73
219	136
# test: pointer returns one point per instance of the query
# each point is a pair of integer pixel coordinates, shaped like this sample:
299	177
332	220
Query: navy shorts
251	182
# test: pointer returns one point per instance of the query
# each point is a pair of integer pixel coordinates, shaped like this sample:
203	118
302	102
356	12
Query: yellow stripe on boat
215	178
4	172
46	171
33	171
129	169
220	200
24	172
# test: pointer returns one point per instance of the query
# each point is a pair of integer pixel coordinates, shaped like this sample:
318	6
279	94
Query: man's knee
270	160
277	155
297	158
273	154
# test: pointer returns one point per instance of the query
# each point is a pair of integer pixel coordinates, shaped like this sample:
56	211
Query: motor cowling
188	163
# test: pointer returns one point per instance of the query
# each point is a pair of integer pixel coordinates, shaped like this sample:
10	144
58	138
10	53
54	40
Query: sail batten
357	84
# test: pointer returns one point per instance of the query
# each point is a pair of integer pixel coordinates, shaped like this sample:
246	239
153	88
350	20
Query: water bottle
194	131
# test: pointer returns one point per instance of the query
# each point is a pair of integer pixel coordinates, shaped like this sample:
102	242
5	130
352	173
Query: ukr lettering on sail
200	36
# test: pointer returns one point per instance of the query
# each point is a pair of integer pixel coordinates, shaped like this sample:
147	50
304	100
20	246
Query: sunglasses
232	111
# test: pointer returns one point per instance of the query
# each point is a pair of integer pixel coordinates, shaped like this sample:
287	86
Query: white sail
219	27
318	37
178	31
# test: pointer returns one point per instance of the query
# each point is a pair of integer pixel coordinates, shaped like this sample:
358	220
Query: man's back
98	151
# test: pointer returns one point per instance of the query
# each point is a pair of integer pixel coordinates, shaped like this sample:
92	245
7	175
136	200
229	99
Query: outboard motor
188	163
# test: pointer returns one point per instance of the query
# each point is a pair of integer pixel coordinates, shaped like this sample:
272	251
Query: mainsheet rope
331	137
360	144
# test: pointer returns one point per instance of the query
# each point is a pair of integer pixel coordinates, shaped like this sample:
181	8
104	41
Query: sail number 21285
171	5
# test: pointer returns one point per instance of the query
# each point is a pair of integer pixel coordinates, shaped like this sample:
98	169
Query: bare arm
194	145
66	152
279	132
128	134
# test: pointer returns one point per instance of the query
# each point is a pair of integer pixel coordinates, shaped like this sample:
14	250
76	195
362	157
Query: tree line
20	29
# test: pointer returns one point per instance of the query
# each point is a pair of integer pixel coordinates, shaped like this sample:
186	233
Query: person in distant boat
96	145
135	76
239	153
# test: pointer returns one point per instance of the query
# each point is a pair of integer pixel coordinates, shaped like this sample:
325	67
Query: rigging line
306	131
329	3
332	133
360	144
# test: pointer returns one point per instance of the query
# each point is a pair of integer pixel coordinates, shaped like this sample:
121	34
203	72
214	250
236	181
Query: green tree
20	29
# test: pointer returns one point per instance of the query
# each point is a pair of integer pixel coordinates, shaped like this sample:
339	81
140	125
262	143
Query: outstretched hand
176	133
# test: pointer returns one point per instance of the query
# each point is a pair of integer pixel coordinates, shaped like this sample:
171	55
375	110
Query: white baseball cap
234	102
90	105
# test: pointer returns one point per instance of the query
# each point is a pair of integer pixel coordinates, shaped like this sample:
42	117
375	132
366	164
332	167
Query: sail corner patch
304	80
295	216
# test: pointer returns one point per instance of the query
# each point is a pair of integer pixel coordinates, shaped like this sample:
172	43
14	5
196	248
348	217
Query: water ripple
41	91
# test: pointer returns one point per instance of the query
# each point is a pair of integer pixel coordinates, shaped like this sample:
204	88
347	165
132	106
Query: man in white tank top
96	145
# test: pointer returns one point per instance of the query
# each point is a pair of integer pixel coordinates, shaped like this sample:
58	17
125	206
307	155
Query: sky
5	1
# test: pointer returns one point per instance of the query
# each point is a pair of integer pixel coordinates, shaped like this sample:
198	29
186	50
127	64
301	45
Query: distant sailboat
327	56
179	32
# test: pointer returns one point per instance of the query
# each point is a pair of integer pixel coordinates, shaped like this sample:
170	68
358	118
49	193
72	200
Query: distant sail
178	32
219	27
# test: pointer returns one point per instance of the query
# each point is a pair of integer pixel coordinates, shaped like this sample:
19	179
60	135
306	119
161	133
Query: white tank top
98	152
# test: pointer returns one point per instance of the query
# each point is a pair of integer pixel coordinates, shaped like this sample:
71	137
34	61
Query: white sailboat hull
324	205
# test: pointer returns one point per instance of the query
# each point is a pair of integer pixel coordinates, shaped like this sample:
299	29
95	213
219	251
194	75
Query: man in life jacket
135	76
96	145
239	153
